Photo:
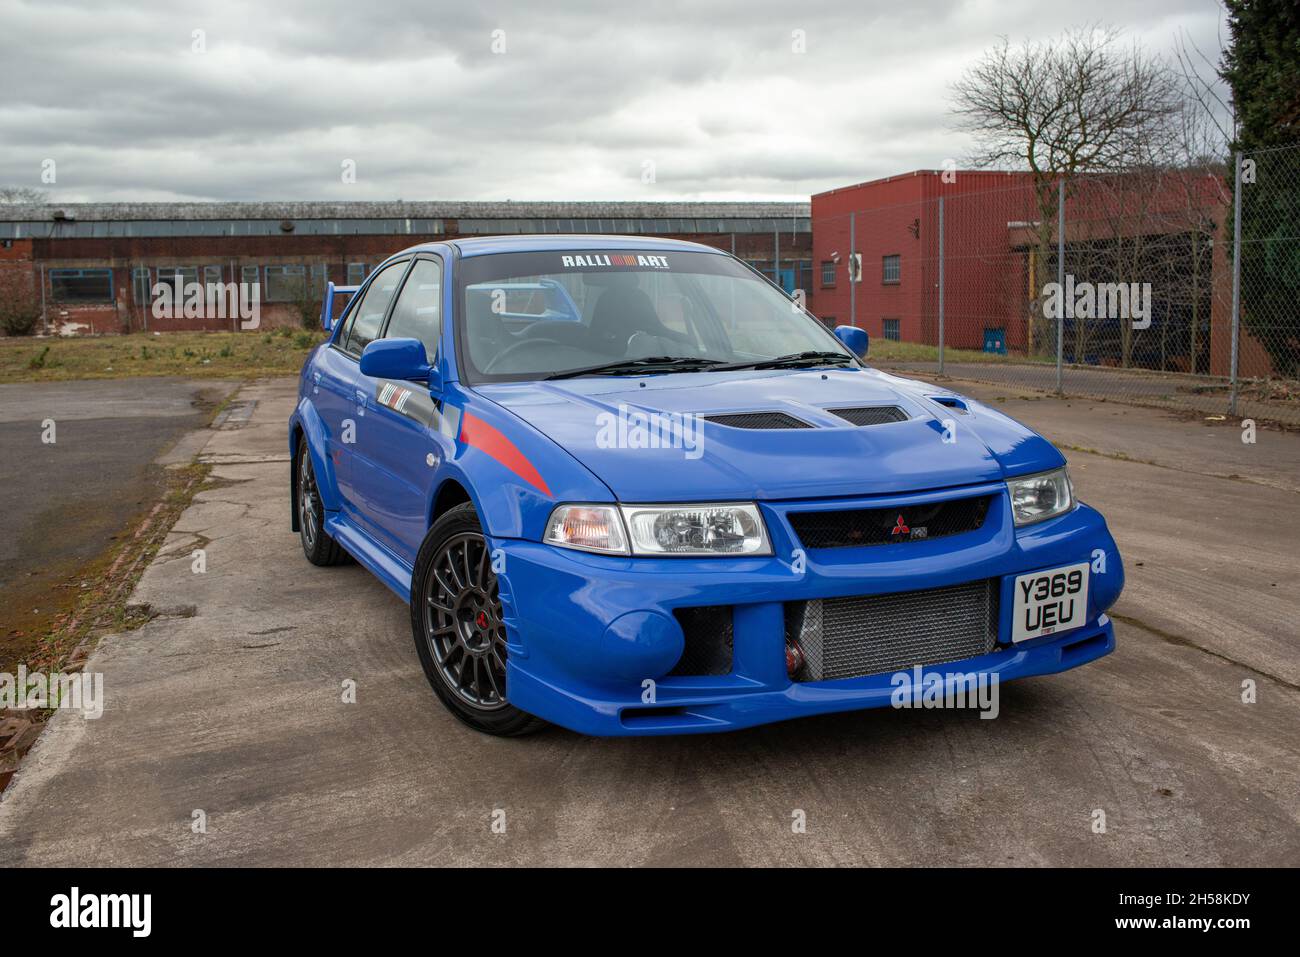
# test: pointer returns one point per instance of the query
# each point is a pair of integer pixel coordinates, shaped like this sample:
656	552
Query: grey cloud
587	90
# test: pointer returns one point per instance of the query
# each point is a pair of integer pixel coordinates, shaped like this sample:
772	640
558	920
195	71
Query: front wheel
456	620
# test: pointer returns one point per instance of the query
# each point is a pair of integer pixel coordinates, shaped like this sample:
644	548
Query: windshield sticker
587	260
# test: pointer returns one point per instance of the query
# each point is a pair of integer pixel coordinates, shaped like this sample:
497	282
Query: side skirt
380	562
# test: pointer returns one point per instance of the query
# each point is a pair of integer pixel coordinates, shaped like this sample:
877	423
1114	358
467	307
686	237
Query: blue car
628	486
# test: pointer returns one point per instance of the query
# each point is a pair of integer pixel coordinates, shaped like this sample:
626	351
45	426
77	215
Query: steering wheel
519	347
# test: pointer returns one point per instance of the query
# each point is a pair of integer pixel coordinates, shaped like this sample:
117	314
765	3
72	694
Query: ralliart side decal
489	440
413	403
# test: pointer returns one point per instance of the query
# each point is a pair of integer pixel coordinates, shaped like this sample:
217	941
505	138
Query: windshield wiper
633	366
794	360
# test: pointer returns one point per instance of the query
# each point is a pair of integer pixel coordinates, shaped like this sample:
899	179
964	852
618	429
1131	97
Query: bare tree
1074	104
21	194
1084	102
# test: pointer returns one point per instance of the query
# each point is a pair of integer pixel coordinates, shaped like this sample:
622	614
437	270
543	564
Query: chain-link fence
1121	287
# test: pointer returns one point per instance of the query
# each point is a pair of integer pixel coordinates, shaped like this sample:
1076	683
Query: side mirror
854	338
398	359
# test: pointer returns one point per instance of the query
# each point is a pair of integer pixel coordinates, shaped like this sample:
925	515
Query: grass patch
890	350
199	355
276	352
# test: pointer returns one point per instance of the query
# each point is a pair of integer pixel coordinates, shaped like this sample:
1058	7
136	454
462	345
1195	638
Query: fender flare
307	421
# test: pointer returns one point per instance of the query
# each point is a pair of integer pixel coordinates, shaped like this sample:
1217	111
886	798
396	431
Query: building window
356	274
170	275
891	330
891	270
285	283
828	272
81	285
211	276
251	278
140	285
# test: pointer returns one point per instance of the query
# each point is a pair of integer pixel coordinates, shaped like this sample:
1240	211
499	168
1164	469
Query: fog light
793	658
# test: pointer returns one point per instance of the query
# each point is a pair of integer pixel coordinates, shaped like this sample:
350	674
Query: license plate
1050	601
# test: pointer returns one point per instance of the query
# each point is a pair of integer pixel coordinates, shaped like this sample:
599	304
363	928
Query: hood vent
951	402
871	415
758	420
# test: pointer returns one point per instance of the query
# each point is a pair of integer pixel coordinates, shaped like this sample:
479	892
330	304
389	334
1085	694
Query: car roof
487	245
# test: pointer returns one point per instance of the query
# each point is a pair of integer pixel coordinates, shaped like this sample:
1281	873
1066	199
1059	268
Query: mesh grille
877	634
854	528
759	420
708	640
871	415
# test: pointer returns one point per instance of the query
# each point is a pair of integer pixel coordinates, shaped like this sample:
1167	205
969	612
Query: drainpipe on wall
853	286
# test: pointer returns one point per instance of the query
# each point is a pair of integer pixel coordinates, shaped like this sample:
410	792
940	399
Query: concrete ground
229	703
1193	393
67	500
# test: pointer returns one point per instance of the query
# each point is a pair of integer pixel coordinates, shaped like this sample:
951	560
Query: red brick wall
231	253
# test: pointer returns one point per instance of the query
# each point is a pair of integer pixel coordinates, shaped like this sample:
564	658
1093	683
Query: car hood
624	429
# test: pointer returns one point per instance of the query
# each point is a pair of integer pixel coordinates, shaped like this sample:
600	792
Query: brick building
94	265
999	250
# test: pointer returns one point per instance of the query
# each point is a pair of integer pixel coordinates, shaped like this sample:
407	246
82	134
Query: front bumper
591	636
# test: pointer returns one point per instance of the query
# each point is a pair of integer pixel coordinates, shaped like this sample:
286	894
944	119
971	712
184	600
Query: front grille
708	633
852	528
871	414
878	634
759	420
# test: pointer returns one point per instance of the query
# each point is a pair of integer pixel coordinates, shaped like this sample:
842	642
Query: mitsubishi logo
900	527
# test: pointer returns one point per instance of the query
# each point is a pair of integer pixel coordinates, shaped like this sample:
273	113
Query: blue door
335	382
401	448
341	382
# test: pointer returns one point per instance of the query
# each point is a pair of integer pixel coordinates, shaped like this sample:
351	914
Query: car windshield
547	314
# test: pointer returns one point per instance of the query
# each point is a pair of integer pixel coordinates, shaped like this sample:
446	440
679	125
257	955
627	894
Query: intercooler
876	634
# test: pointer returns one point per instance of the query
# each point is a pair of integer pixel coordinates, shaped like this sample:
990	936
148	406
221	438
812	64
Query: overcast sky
582	98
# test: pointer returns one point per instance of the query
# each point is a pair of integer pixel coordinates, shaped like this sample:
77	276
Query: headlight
1043	496
660	529
591	528
696	530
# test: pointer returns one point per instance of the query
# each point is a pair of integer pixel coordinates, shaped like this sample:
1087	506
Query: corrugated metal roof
125	212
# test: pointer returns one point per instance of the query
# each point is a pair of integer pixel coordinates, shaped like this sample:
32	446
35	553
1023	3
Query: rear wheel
456	619
319	548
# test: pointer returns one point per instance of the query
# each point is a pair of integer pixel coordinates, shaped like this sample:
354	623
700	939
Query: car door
341	399
400	448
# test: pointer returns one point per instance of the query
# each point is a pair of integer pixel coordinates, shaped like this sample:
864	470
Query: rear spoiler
327	306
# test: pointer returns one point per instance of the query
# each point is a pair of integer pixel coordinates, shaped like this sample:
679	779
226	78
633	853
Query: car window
369	314
418	313
529	315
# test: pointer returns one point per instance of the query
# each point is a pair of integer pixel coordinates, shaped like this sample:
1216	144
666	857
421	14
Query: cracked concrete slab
229	701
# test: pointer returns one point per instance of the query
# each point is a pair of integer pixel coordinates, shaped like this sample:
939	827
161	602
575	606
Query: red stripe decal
489	440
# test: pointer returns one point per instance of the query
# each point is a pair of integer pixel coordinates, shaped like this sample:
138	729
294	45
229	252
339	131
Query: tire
319	548
457	624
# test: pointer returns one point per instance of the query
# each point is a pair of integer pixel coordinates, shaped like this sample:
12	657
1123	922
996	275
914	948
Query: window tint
418	313
366	319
